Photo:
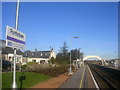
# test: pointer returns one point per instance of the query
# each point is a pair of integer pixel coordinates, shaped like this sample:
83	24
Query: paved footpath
80	79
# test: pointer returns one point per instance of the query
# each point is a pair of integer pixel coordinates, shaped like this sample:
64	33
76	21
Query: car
6	64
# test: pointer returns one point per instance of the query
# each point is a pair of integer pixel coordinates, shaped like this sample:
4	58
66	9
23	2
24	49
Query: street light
75	37
70	71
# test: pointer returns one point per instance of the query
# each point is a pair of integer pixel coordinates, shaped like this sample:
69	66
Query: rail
106	77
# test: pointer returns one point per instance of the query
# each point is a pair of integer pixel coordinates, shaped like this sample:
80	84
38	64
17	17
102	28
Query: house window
9	58
12	58
41	54
26	54
42	61
3	57
17	59
34	61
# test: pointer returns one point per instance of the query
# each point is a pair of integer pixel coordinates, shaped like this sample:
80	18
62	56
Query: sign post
14	85
14	72
16	40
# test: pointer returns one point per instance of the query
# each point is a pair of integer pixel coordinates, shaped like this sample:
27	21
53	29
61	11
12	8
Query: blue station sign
15	38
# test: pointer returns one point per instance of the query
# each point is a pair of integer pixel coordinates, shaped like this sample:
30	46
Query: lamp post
70	71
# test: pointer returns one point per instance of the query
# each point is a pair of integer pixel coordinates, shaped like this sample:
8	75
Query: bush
54	71
52	60
24	66
32	63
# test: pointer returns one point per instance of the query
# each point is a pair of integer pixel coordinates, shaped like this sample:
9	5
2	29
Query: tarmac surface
80	79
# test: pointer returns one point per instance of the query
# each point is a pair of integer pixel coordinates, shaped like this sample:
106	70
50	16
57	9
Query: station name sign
15	38
16	33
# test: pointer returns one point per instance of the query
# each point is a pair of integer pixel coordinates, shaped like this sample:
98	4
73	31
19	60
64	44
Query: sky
49	24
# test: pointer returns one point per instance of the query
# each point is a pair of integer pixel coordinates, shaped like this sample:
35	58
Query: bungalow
27	56
8	53
40	56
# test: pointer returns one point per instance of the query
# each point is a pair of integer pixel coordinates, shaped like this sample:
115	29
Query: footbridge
94	56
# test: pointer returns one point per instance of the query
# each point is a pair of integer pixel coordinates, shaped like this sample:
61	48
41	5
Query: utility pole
14	85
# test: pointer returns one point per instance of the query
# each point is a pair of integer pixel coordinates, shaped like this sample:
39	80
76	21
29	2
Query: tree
76	54
64	49
52	60
63	55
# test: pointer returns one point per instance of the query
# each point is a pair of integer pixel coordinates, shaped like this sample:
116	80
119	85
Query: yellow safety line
82	79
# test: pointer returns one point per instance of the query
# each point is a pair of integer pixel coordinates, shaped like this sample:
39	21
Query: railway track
106	77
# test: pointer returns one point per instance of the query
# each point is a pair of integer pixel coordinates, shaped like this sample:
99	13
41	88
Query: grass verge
30	79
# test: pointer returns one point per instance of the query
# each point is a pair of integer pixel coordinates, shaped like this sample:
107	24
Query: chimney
52	49
35	50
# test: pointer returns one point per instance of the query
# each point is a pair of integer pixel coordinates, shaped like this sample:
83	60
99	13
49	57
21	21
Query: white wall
38	60
19	57
53	54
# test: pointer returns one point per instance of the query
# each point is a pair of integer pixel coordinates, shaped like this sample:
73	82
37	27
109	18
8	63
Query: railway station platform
82	78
